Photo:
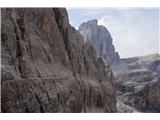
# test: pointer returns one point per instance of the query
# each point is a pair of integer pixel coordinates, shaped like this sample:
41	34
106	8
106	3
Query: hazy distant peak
100	38
93	21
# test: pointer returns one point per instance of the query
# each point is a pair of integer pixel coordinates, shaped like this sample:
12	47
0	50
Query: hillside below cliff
138	82
47	66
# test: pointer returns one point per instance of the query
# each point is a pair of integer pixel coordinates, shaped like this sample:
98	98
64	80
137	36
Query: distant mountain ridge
138	62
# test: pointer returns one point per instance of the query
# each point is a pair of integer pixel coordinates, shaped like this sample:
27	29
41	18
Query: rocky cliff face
99	37
138	82
47	67
148	99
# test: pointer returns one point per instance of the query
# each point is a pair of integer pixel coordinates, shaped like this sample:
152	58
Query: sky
135	31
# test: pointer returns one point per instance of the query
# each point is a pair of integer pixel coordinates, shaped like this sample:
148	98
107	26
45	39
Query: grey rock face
99	37
148	99
155	66
138	83
46	66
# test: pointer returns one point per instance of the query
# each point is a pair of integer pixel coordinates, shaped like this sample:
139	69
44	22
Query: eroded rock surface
47	67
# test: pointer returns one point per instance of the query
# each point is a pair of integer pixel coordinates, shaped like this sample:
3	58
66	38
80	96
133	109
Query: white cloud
134	32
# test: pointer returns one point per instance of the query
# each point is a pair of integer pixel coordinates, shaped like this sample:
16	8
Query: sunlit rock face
47	66
99	37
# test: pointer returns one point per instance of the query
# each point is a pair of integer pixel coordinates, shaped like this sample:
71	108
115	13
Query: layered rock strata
138	82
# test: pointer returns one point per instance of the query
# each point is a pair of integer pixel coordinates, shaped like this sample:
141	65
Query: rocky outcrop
47	67
99	37
137	82
124	108
148	99
155	66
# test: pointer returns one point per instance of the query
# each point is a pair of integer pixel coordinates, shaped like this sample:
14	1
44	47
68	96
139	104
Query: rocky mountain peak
92	22
99	37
